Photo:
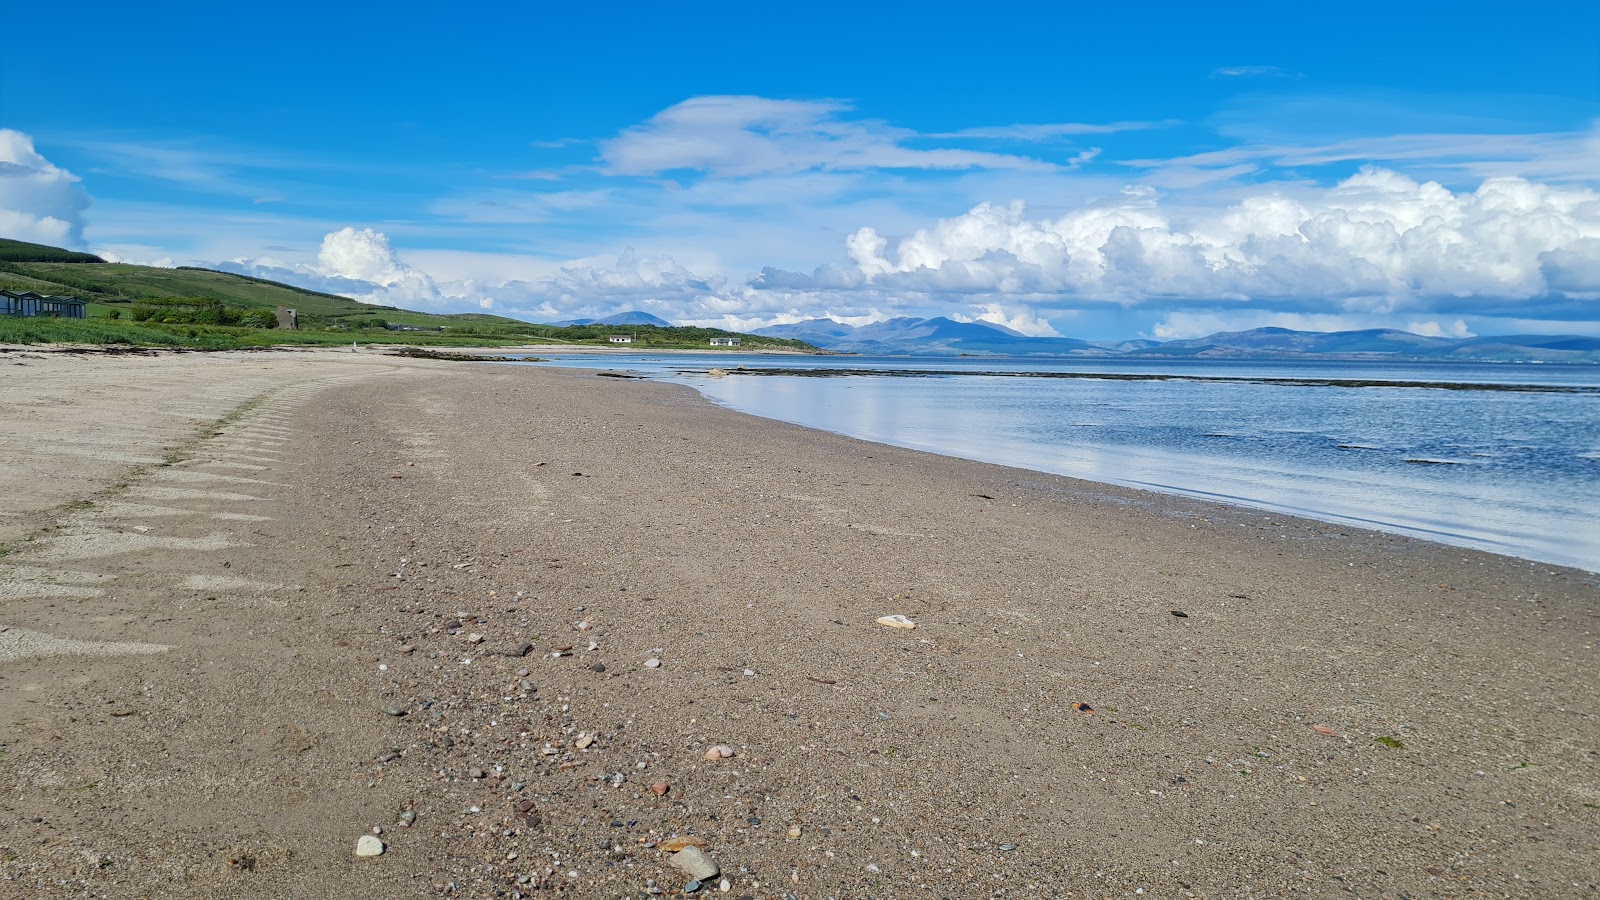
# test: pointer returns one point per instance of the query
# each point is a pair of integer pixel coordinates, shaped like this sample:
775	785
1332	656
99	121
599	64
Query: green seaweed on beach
1389	742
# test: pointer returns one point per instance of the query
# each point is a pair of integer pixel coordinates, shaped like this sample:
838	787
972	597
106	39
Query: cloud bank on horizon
1026	225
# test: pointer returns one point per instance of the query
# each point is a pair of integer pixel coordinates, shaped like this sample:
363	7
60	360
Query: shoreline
396	498
1021	457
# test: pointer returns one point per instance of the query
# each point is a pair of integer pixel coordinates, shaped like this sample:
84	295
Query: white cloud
1025	321
360	264
741	136
1456	329
1378	241
39	202
116	256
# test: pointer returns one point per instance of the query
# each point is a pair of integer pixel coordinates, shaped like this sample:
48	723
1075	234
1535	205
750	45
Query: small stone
691	887
522	650
477	773
660	788
721	751
896	621
673	845
523	673
599	667
585	625
652	664
584	742
407	648
474	638
694	862
794	831
408	817
394	710
369	846
725	886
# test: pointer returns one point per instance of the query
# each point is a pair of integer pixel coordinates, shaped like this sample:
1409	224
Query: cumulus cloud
741	136
1378	242
39	202
359	264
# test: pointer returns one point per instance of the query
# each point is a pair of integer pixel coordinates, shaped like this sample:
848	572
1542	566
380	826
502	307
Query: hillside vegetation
202	308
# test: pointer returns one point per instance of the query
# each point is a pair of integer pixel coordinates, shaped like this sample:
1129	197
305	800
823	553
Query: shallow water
1504	458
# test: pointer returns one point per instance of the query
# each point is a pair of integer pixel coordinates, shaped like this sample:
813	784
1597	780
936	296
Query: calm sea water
1504	458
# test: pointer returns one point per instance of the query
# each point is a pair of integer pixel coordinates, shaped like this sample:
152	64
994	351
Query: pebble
474	638
896	621
477	773
661	788
522	650
694	862
369	846
408	817
673	845
395	710
721	751
585	741
652	664
691	887
599	667
585	625
794	831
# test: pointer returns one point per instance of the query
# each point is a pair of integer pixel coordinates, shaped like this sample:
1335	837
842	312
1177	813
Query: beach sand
255	605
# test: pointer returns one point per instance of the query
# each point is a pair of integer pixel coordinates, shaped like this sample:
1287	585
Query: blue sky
1164	170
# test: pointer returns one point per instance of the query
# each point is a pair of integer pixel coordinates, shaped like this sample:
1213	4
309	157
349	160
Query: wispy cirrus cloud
232	171
1049	131
742	136
1556	156
1253	72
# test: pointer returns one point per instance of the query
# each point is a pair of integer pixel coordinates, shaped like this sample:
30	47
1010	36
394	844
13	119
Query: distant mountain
631	317
936	336
1279	343
1283	340
945	337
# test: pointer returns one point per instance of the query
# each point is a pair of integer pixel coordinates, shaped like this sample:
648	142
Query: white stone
369	846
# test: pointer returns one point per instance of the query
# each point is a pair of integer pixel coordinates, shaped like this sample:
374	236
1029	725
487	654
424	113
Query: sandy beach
254	606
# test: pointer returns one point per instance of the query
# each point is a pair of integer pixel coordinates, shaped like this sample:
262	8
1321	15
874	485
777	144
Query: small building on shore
726	341
28	303
620	338
288	319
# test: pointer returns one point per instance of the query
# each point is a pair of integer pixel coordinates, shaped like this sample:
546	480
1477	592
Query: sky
1155	170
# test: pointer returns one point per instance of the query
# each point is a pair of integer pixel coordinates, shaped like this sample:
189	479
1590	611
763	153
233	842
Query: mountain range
946	337
631	317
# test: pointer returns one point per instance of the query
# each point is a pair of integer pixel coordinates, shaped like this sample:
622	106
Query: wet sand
226	573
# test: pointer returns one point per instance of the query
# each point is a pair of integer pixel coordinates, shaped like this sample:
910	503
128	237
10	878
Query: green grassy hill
200	307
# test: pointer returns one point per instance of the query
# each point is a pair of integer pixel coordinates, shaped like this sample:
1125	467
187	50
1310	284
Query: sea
1499	457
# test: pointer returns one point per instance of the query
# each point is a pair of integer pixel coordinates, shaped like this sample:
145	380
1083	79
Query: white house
725	342
620	338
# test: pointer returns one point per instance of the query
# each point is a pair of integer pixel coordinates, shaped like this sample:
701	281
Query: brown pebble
673	845
661	788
